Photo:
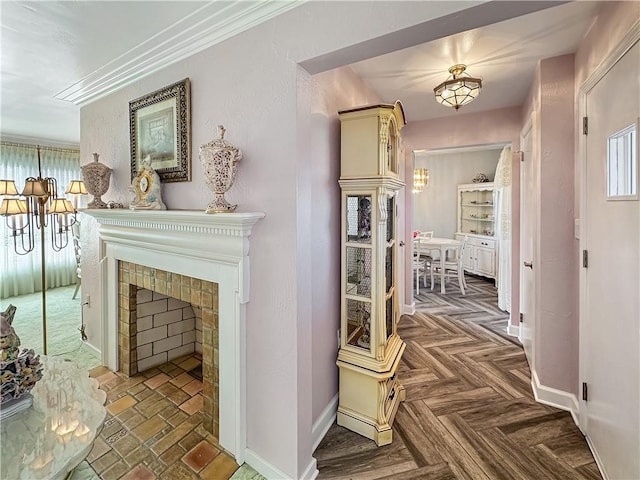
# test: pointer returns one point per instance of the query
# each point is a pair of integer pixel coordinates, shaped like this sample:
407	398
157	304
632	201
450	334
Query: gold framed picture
160	127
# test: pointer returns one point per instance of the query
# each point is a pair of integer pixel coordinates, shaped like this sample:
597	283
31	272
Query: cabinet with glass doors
370	348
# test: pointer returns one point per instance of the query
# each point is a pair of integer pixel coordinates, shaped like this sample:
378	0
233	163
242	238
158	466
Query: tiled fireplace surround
196	258
198	293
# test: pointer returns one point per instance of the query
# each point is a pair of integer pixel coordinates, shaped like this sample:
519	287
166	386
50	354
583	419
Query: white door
612	318
468	257
528	232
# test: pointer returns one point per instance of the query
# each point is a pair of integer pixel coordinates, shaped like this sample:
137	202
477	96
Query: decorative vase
480	178
96	177
19	371
219	160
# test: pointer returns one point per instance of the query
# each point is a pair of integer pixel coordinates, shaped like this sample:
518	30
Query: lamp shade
12	206
60	205
76	187
459	89
34	188
8	187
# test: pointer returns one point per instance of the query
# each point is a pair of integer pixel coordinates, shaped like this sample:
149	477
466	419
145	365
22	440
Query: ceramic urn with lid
219	161
96	176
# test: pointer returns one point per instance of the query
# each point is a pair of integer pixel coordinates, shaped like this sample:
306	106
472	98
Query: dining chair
453	266
420	266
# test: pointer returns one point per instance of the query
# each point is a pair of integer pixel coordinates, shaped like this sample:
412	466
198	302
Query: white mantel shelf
212	247
191	221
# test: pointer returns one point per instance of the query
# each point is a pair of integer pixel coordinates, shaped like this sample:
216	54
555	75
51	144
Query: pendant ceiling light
459	89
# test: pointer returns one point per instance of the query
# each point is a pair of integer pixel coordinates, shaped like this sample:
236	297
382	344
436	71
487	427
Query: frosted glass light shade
459	89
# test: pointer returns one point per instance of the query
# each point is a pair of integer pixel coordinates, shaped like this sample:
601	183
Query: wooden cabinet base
369	399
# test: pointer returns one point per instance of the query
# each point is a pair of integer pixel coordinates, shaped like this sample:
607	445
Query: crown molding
207	26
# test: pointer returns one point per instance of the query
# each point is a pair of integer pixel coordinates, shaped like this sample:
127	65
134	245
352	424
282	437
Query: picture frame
160	129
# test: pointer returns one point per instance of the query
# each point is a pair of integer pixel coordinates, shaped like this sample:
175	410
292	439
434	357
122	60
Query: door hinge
585	125
521	318
585	392
585	258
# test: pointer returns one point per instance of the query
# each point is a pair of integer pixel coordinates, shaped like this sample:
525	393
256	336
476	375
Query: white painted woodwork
369	390
192	243
528	239
610	350
480	256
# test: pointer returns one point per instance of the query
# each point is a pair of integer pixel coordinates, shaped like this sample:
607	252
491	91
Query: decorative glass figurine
219	161
96	177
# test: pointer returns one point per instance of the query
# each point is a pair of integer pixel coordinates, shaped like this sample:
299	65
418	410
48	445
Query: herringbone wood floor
469	412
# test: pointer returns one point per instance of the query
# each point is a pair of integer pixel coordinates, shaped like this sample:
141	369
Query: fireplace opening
164	316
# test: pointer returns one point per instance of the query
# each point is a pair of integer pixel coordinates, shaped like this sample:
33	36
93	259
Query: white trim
43	142
629	40
208	247
513	331
322	425
311	472
94	349
596	457
207	26
271	472
554	397
409	309
471	148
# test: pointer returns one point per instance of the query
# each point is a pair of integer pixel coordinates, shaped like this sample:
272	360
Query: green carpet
63	322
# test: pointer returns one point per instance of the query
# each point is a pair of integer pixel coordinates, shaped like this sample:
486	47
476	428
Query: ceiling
57	55
504	55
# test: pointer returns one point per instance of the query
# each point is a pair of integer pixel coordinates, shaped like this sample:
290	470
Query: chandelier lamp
420	179
459	89
37	208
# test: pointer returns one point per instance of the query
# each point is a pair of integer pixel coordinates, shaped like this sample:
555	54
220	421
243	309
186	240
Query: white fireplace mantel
213	247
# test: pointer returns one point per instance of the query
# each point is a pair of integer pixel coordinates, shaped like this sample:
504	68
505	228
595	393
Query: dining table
427	245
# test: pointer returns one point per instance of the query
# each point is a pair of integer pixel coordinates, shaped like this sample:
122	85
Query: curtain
20	274
502	184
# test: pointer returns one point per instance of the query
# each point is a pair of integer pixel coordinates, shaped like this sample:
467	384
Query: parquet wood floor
470	412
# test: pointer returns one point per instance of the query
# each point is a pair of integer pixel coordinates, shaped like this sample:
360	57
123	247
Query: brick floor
154	427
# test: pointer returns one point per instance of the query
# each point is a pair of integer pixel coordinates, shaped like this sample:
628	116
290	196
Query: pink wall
494	126
251	83
555	337
612	23
331	92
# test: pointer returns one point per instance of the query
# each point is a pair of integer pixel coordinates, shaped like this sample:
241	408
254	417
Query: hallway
469	412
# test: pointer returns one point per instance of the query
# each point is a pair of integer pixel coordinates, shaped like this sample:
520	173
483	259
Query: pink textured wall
332	91
494	126
252	84
556	328
612	23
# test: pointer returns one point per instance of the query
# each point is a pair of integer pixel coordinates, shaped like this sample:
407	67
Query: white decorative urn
96	178
219	160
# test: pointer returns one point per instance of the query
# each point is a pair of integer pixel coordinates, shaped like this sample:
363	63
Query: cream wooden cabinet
370	348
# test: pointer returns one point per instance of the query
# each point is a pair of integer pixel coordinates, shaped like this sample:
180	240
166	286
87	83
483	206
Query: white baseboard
409	309
270	472
555	398
513	330
322	425
311	472
94	349
596	457
263	467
